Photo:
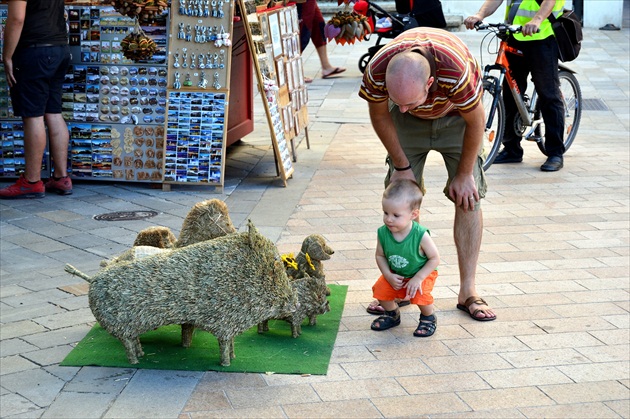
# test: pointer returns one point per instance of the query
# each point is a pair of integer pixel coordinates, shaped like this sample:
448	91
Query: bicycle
528	122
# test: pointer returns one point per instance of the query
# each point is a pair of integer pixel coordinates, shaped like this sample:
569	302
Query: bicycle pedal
535	138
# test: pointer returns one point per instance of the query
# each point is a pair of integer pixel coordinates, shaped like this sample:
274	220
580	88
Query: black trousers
540	59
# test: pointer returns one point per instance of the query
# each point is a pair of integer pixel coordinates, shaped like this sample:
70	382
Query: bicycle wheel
495	120
572	100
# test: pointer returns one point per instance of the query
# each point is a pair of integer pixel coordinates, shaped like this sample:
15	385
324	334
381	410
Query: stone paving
554	264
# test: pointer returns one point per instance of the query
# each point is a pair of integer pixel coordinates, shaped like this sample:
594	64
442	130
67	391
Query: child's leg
428	321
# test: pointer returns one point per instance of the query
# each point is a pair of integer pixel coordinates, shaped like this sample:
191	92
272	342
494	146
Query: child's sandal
426	327
387	321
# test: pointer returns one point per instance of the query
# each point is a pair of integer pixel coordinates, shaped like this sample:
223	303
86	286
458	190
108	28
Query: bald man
424	93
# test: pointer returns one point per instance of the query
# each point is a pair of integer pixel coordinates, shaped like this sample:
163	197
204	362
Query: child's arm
428	247
396	281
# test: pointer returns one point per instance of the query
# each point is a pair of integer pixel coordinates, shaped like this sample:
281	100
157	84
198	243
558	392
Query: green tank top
403	257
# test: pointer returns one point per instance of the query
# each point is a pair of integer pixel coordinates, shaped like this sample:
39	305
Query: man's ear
416	214
430	82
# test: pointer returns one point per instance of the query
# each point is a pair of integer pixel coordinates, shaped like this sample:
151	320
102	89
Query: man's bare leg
467	230
59	137
34	146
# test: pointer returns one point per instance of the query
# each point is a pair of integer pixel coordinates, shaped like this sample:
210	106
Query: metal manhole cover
594	105
125	215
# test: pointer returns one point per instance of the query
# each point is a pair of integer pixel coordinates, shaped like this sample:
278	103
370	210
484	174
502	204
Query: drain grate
594	105
125	215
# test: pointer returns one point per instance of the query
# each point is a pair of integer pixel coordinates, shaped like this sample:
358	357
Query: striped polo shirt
457	85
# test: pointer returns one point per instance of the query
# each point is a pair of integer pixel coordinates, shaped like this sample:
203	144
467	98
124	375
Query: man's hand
471	20
531	28
8	69
463	191
413	286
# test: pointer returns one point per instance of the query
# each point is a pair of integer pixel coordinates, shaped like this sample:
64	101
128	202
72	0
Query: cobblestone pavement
554	264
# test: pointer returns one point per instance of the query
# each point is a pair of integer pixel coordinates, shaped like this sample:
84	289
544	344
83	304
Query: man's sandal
426	327
386	321
479	301
376	308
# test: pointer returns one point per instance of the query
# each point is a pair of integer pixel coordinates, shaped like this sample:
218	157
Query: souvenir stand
129	120
147	95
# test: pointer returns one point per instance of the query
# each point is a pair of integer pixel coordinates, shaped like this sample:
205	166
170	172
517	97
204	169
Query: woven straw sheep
307	277
224	286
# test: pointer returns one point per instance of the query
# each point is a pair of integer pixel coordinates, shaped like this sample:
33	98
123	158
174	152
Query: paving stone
19	329
167	390
580	410
270	396
335	409
359	389
14	364
100	380
586	392
14	405
79	405
37	385
505	398
15	347
49	356
262	412
596	372
52	338
420	405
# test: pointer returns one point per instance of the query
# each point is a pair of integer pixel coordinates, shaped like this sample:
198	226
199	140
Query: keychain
203	83
177	84
216	84
187	82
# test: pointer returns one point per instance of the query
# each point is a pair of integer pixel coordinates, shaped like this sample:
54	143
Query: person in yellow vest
540	58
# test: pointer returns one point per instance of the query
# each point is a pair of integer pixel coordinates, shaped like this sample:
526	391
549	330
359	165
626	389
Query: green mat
274	351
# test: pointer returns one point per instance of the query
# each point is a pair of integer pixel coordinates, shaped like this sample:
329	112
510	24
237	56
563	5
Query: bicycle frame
502	65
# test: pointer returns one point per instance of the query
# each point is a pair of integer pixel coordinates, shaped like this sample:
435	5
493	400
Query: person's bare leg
59	137
327	68
467	230
34	146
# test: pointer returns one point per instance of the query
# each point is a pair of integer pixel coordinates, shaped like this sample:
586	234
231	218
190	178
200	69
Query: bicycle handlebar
499	27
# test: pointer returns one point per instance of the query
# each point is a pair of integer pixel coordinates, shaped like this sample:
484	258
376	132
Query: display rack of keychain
199	52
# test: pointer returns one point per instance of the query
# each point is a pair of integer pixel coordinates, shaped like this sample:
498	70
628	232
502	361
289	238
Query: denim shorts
445	135
39	73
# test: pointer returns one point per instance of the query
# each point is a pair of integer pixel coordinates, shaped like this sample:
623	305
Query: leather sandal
426	327
479	301
376	308
386	321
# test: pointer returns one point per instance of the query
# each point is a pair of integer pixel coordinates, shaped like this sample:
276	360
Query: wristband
402	169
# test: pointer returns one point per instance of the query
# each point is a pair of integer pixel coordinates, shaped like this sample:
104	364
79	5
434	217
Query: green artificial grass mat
273	351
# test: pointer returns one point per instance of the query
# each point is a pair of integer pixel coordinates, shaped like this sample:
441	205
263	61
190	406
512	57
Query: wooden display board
273	36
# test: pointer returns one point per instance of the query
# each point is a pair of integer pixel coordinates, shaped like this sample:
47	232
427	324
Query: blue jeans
540	58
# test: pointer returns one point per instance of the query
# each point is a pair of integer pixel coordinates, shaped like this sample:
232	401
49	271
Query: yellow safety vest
520	12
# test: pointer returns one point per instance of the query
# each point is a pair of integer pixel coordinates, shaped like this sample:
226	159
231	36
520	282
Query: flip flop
475	300
377	309
337	70
308	80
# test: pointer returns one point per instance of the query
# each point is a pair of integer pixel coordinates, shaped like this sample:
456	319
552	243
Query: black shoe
553	164
506	156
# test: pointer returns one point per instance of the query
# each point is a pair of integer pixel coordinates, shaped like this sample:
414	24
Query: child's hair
404	189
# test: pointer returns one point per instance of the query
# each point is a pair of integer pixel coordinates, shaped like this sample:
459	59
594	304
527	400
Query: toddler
407	258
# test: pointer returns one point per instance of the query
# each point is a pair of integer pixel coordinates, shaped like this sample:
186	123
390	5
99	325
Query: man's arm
532	27
487	8
386	131
463	184
12	32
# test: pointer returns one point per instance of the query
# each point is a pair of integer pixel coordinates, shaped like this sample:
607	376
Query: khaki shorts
445	135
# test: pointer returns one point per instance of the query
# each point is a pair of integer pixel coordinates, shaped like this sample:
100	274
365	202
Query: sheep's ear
254	237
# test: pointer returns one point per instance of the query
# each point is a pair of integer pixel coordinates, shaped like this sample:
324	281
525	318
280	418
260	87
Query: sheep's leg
187	335
232	356
131	350
224	349
312	320
263	326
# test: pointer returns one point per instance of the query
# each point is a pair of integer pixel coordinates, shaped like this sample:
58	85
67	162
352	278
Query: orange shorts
383	291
